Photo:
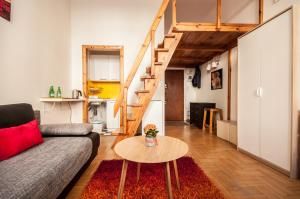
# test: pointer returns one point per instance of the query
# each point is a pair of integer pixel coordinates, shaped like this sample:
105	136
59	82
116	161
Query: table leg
204	120
168	181
138	172
122	180
211	121
176	174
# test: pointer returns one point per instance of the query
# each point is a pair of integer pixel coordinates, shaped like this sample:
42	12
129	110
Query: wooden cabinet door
248	102
276	82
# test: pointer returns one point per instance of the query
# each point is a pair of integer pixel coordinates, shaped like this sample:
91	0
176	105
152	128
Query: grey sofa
48	170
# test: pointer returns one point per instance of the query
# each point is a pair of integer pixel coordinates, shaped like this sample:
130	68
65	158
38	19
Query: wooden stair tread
161	45
134	105
162	49
142	91
131	118
148	69
147	77
169	36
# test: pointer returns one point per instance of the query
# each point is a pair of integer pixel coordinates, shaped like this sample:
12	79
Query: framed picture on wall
5	9
217	79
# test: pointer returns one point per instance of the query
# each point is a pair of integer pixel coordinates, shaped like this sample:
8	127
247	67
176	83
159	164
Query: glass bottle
51	92
58	93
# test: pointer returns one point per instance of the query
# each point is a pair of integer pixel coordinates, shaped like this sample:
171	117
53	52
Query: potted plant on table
151	132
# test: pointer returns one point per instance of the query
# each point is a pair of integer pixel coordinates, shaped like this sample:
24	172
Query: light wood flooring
235	174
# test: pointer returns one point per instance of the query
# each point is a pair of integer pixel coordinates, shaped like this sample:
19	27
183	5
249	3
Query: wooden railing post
219	13
261	11
152	52
125	111
174	13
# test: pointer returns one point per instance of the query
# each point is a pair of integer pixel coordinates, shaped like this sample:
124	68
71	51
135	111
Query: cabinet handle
259	92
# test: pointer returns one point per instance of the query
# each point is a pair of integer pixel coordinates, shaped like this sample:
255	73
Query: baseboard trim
265	162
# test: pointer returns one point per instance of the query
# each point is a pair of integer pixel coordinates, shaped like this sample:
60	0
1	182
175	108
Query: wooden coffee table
134	149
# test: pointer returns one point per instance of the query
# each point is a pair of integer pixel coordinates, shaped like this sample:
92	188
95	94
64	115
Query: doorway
174	95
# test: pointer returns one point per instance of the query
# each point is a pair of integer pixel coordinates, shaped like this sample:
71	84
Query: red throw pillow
16	139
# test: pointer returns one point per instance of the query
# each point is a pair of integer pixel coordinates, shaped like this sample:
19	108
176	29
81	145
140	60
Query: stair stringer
147	97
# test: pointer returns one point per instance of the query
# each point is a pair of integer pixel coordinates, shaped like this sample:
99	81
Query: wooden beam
152	52
102	48
210	27
84	84
174	13
229	85
200	48
195	59
183	65
124	110
122	84
219	13
261	11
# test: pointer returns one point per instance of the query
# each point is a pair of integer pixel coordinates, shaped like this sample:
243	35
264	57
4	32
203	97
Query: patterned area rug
194	183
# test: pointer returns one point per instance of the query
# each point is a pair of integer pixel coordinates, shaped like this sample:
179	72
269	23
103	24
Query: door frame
184	110
85	52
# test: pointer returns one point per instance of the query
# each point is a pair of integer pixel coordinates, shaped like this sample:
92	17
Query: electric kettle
76	94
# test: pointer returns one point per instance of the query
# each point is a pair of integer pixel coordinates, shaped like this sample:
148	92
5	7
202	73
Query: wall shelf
105	81
48	99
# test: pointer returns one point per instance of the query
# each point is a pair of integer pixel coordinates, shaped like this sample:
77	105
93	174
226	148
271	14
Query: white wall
234	84
233	11
35	45
205	94
114	22
190	92
34	52
272	8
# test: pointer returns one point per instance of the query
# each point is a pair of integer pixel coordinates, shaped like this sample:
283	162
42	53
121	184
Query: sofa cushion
14	140
66	129
15	115
44	171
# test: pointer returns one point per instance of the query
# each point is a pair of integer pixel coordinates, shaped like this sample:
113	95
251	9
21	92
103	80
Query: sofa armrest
66	129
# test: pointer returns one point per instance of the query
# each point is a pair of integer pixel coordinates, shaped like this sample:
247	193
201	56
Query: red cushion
16	139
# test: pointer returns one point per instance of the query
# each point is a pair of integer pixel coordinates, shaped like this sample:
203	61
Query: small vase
150	141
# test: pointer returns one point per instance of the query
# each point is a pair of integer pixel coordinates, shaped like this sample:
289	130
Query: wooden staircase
160	58
150	80
162	54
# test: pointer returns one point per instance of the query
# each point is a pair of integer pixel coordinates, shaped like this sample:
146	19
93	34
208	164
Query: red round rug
193	181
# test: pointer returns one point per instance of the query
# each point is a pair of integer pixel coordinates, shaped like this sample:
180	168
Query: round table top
135	150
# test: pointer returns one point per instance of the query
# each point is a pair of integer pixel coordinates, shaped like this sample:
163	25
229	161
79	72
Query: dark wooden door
174	95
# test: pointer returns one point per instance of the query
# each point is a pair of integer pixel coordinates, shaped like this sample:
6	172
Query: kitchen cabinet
104	67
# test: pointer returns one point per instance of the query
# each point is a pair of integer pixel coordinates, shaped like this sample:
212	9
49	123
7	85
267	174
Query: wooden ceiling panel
196	48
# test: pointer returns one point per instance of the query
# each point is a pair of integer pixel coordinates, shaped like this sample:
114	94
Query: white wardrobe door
248	101
276	82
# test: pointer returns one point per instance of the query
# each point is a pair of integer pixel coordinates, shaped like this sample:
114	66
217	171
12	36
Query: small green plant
150	130
151	133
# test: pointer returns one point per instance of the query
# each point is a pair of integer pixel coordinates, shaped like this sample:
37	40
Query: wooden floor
235	174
